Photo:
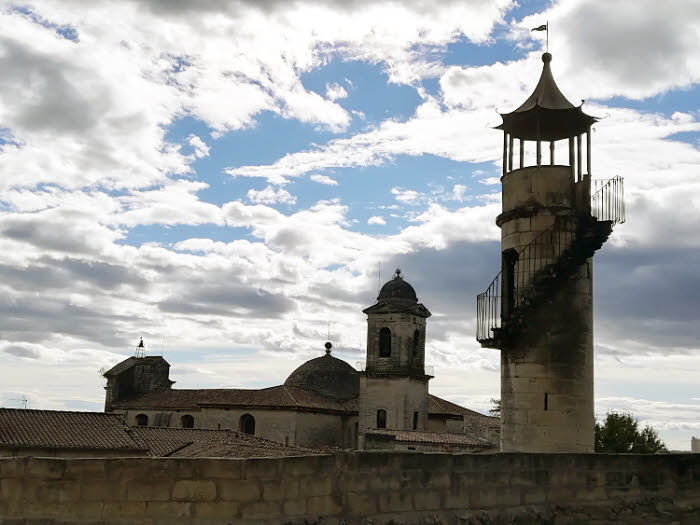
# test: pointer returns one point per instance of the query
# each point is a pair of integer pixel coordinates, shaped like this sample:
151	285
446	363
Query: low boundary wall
353	488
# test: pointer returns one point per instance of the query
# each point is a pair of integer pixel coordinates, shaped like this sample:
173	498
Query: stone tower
394	385
136	376
539	310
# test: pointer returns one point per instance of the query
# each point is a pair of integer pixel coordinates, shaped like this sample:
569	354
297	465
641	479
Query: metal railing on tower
546	257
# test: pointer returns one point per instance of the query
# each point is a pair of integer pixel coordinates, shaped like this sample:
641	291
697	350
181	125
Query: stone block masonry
354	488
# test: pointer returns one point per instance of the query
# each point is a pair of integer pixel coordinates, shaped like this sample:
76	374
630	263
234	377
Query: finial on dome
546	57
328	345
398	274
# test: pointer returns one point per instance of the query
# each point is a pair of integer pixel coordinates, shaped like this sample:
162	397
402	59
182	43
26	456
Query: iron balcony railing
488	310
608	200
540	259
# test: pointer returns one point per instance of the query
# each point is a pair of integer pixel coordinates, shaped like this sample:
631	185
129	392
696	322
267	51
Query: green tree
620	434
496	410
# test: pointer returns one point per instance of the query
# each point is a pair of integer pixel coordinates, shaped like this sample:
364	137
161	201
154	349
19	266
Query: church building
325	402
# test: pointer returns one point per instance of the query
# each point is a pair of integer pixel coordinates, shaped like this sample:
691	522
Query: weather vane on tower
543	27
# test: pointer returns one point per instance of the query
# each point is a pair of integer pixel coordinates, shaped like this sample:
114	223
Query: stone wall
353	488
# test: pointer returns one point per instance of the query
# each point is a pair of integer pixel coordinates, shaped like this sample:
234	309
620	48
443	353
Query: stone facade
547	370
399	396
355	488
407	343
289	427
695	444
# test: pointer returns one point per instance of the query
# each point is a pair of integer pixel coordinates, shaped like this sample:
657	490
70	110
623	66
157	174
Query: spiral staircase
541	266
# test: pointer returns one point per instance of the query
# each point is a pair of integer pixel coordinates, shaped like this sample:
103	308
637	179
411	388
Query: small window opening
508	284
384	342
187	421
381	418
142	420
546	401
247	424
415	421
416	344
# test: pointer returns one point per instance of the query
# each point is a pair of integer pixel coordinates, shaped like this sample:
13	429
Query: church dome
398	289
328	376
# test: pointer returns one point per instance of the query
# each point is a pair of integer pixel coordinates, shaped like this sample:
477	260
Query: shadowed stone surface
378	488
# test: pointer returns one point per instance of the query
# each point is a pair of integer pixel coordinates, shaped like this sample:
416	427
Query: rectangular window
546	401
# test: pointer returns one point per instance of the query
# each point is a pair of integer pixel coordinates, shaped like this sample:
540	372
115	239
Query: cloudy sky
224	178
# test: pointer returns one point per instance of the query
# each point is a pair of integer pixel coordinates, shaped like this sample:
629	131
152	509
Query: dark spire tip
546	58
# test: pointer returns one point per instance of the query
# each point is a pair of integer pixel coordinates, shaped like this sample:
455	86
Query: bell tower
539	309
394	385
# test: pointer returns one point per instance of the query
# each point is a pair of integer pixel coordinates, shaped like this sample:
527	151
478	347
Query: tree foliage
496	410
620	434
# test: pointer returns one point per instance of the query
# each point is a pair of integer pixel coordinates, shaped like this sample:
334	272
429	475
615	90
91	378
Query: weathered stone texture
355	488
547	369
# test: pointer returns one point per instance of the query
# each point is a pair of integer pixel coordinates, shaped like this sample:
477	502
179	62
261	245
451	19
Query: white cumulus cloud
200	148
323	179
270	195
405	196
335	91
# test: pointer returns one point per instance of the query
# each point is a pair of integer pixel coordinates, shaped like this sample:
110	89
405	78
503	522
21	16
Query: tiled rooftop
96	431
195	442
414	436
61	429
273	397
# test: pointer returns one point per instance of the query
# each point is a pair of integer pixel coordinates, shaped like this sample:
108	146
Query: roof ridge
290	395
184	445
57	411
437	400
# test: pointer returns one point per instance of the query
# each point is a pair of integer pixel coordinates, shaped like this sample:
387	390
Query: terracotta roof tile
414	436
195	442
237	450
21	428
437	405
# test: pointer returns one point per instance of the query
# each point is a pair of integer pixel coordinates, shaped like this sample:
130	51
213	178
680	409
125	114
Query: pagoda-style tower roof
546	115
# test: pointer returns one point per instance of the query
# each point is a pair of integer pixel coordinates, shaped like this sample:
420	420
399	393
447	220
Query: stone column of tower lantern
539	310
